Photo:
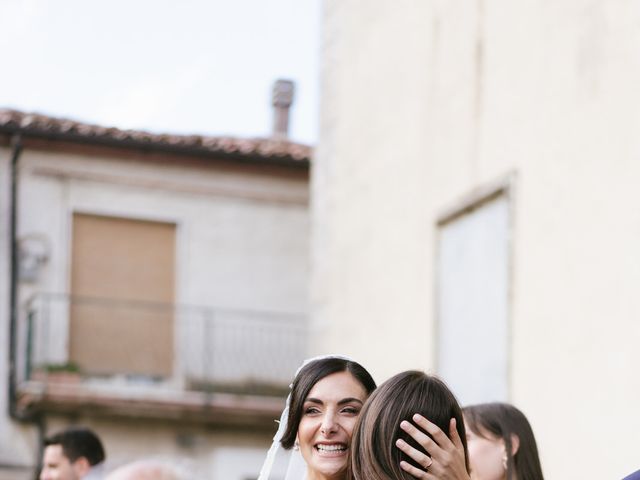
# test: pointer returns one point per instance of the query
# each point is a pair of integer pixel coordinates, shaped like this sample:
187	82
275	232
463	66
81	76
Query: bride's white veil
280	460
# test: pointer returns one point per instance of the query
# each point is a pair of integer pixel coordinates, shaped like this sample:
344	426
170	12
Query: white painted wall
242	245
426	102
17	440
241	242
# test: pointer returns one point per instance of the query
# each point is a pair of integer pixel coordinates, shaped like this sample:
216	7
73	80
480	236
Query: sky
188	67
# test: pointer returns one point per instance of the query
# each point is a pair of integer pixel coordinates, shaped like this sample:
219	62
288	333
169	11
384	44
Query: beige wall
17	441
241	243
425	103
213	208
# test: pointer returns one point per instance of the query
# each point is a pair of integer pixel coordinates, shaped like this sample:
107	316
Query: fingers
420	458
438	435
454	436
413	471
445	458
419	436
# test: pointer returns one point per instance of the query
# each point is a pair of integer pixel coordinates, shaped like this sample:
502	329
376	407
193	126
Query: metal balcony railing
147	344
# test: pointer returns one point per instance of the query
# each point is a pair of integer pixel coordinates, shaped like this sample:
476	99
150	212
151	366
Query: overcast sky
188	66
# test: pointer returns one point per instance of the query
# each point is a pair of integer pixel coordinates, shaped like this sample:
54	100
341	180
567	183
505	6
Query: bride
313	440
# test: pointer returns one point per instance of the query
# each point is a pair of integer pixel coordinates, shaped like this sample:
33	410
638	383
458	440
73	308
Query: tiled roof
45	126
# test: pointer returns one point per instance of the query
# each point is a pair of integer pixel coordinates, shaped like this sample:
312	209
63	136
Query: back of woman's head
311	374
374	452
504	421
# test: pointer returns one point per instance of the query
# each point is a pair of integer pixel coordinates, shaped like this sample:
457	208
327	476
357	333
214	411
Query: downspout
16	147
38	419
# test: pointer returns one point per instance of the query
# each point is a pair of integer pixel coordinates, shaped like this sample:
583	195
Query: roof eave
160	147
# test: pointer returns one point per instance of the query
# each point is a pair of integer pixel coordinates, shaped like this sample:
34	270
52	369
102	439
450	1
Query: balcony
144	359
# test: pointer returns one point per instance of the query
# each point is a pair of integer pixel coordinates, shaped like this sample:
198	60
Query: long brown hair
374	455
502	420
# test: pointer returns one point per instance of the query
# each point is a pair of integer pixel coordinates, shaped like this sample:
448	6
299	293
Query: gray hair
150	470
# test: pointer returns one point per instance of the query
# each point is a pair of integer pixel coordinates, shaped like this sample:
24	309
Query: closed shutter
122	283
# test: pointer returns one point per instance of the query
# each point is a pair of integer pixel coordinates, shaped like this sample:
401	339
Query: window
122	285
473	299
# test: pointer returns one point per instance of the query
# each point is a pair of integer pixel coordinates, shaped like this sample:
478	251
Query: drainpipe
16	147
38	420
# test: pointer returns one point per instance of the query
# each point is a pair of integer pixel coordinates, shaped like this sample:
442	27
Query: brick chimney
281	101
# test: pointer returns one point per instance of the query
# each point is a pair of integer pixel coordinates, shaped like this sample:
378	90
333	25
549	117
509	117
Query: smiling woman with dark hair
307	379
314	437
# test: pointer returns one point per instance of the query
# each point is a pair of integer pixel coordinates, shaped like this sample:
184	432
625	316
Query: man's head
69	455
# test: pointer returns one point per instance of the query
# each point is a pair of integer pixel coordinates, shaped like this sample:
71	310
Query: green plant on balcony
68	372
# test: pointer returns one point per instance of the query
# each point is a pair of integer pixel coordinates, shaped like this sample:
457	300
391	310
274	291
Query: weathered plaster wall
425	102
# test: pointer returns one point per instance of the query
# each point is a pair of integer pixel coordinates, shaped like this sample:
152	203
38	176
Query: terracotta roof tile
43	125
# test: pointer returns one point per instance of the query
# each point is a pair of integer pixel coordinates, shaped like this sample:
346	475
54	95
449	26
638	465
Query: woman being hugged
393	440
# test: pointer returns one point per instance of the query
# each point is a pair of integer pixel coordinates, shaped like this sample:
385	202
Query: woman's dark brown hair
373	445
308	376
502	420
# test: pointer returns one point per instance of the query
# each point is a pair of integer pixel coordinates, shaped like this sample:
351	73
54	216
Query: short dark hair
373	445
503	420
311	374
77	443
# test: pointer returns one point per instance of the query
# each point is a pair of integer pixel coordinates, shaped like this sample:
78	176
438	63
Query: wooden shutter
122	284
